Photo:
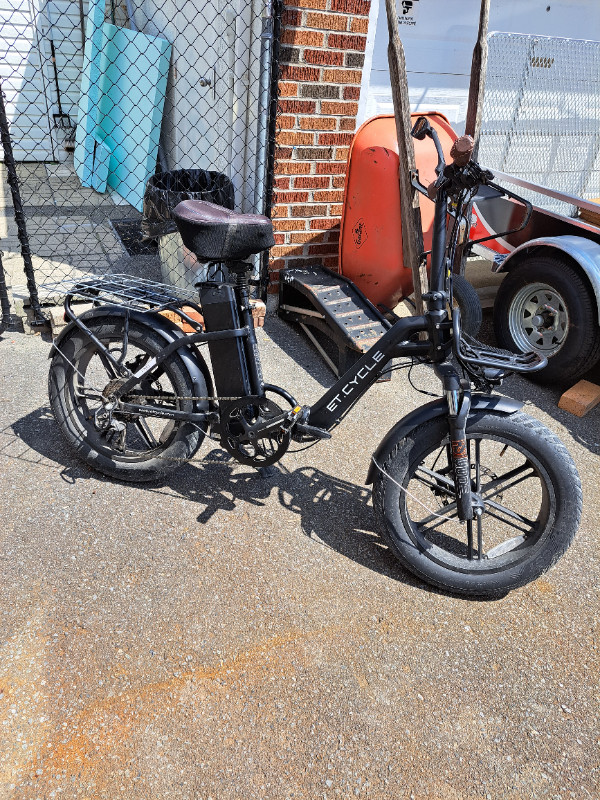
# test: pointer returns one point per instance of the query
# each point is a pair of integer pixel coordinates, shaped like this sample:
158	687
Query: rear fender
437	408
191	357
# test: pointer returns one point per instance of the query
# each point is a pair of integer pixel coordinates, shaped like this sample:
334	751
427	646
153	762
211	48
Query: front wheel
529	491
467	299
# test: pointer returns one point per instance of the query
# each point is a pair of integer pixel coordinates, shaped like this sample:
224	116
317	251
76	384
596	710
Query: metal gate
171	92
541	114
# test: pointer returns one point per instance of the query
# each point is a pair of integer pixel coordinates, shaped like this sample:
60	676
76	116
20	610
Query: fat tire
467	299
517	428
182	443
581	349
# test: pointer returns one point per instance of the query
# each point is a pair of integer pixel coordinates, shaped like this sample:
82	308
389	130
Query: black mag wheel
131	447
529	490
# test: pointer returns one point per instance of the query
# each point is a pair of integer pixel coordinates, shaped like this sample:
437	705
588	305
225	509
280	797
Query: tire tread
538	565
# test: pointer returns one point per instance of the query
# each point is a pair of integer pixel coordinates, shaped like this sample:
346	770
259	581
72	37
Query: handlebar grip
462	150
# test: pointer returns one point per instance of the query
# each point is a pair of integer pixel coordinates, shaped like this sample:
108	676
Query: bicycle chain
157	397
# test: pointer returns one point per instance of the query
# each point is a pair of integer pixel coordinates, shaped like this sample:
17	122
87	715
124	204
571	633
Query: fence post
5	318
13	182
276	12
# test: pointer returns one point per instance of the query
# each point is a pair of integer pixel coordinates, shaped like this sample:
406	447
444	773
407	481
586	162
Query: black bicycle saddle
214	233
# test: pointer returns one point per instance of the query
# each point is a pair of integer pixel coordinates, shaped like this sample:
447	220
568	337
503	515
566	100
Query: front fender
191	357
437	408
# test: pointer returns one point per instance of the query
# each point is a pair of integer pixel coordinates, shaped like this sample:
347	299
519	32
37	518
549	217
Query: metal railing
541	115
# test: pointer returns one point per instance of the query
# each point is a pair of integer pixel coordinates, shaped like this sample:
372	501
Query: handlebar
461	174
461	153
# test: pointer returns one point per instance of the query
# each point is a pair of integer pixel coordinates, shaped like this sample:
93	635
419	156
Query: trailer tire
545	305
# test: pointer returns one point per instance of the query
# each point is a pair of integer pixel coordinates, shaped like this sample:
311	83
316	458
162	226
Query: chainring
238	417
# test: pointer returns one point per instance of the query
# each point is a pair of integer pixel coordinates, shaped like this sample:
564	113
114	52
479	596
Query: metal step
318	298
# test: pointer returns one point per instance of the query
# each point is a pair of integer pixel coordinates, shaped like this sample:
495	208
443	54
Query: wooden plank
580	399
478	70
412	231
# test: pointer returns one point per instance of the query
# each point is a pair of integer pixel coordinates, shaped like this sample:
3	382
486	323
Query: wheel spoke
84	393
144	430
470	539
477	465
506	547
438	519
498	485
479	516
437	458
512	515
440	482
112	372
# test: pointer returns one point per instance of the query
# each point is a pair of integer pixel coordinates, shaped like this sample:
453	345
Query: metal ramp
330	304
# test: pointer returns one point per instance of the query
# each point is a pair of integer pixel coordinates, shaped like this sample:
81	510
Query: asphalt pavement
223	635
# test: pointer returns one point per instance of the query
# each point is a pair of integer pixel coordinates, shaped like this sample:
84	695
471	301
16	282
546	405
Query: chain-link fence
117	109
541	115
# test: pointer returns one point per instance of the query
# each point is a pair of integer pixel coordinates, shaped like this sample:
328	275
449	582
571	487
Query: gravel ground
228	636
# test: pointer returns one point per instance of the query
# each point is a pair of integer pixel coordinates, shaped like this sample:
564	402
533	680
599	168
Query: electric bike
471	495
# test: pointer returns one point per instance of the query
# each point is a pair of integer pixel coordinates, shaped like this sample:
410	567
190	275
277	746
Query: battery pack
228	356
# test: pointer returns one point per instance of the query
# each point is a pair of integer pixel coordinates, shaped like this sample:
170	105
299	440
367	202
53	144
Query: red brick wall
322	47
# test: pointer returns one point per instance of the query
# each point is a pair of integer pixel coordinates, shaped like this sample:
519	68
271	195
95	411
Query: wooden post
478	70
475	108
412	231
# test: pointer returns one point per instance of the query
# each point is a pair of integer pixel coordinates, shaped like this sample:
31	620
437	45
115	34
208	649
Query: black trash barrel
166	189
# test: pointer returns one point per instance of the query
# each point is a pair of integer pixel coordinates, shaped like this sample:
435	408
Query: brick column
322	55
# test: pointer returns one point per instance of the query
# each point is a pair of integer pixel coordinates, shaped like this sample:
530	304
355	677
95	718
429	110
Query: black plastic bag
166	189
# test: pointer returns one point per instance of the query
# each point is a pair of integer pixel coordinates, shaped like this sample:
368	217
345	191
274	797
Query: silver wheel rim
538	319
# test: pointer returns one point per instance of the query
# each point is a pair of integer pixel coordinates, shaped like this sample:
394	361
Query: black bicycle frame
353	384
398	341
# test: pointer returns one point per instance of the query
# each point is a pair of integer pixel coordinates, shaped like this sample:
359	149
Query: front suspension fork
459	405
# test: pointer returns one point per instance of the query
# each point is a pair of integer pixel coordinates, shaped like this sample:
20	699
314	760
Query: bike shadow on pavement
334	512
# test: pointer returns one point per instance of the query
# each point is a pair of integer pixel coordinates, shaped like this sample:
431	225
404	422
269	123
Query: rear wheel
132	447
545	305
527	484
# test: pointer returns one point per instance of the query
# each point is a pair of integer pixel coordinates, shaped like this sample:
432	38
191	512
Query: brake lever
524	222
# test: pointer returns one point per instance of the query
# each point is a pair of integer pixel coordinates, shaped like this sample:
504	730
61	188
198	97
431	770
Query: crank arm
253	432
283	423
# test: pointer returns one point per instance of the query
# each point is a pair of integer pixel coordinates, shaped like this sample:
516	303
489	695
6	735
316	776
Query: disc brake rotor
238	419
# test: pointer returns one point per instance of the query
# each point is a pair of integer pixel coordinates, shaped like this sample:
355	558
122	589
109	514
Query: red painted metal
371	226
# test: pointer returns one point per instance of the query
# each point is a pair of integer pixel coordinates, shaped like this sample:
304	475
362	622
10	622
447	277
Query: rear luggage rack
122	290
476	354
138	294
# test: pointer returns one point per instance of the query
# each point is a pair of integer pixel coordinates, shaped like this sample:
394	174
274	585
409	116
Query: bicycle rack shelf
123	290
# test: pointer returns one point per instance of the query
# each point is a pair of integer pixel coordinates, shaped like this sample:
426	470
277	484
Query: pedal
310	430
